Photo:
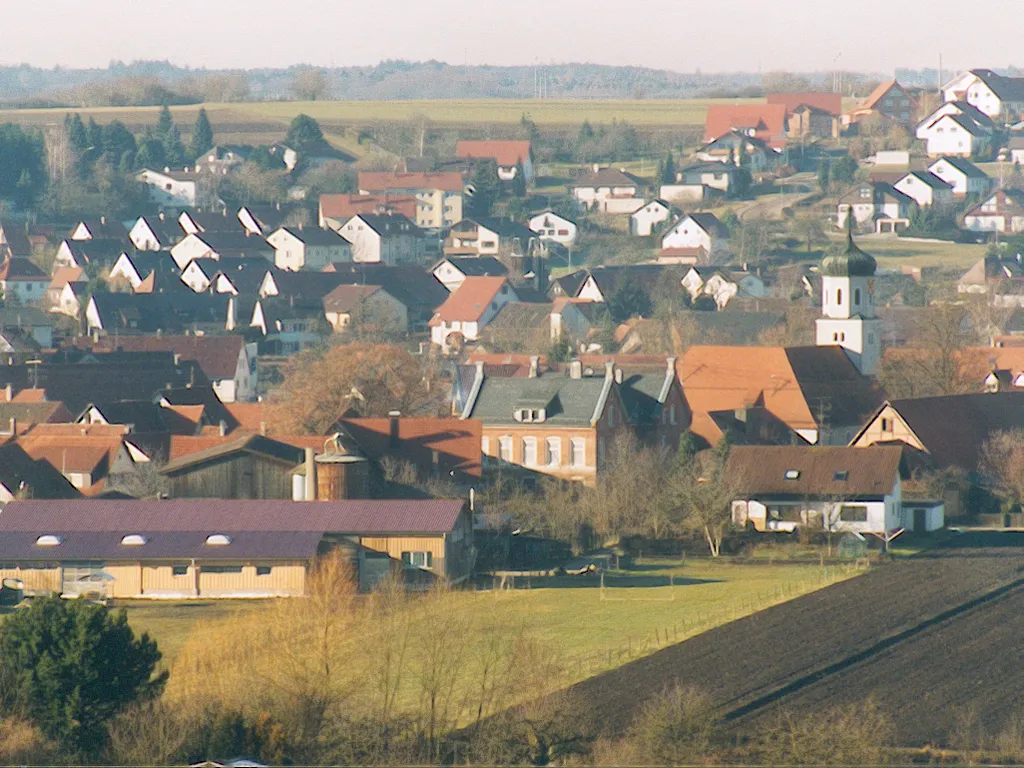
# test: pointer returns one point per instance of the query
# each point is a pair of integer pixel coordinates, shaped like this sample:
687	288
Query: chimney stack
609	369
576	370
534	366
310	494
393	417
223	428
618	375
14	427
9	392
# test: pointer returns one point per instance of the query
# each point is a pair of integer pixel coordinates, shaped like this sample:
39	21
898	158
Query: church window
856	297
839	296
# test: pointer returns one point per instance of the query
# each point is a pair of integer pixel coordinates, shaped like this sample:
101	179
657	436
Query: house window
839	296
853	514
841	474
222	569
505	448
530	451
886	425
577	452
418	560
856	297
263	570
554	451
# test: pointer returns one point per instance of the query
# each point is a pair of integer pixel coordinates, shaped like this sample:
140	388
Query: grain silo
342	471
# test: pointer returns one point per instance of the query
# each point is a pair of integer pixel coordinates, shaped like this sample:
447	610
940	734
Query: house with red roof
336	209
889	101
468	310
438	195
766	122
509	156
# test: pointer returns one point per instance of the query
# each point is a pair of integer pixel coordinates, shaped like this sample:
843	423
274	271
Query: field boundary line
882	645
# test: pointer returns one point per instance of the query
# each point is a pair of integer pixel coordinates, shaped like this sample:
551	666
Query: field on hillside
590	630
895	252
902	632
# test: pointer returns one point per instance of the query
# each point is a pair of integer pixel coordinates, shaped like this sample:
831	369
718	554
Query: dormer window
217	540
842	474
133	540
530	415
792	474
48	540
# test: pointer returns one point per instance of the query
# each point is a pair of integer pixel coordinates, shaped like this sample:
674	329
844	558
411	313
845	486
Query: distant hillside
142	83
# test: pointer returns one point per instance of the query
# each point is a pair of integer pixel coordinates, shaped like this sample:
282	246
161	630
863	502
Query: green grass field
591	630
895	252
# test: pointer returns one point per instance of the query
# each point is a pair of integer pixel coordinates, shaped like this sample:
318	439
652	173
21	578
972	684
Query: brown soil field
922	621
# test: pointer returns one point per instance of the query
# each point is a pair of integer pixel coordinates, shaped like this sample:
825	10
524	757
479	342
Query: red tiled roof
829	102
374	181
470	300
345	206
505	153
71	453
367	516
767	120
456	442
64	275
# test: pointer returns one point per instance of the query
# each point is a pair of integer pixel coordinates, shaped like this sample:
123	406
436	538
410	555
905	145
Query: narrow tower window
839	296
856	297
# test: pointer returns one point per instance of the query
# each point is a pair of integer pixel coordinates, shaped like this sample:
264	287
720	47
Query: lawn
895	252
592	629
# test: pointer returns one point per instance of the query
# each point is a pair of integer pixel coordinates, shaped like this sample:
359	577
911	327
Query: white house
154	234
551	226
452	271
368	306
489	236
384	239
832	489
198	274
21	279
645	221
172	189
967	179
1003	212
701	231
722	286
955	134
925	188
312	248
609	190
218	245
468	310
997	96
876	205
741	150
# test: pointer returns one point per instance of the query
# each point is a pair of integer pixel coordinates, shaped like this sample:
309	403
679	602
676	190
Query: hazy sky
682	35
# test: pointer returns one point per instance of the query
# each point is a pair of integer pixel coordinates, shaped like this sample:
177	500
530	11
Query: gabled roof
314	235
73	453
471	299
503	227
249	444
768	122
217	355
568	402
20	269
953	428
306	285
346	298
454	442
20	473
841	473
416	288
345	206
871	102
521	316
966	123
965	166
505	153
928	178
370	181
832	103
365	516
29	413
139	415
1006	88
64	275
805	387
475	266
609	177
388	224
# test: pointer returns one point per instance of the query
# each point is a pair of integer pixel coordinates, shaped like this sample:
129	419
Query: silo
342	472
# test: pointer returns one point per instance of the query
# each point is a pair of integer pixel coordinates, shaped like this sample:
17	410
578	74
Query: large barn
191	548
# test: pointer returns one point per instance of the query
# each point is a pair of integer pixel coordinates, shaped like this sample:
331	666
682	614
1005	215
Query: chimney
670	365
534	366
223	428
576	370
162	216
479	369
597	167
103	220
310	476
393	417
618	375
14	427
9	392
609	370
263	428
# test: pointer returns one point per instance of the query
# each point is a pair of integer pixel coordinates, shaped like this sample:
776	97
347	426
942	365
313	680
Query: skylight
133	540
841	475
48	541
218	540
792	474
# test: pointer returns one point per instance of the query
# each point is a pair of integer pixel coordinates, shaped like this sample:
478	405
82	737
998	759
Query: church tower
848	307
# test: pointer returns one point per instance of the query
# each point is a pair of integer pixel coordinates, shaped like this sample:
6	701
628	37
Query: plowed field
923	636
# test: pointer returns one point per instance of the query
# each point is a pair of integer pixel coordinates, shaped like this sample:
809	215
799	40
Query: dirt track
900	632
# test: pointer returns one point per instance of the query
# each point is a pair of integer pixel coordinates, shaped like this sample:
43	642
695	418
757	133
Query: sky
679	35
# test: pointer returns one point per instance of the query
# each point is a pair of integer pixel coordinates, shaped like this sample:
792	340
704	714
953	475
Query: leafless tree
310	84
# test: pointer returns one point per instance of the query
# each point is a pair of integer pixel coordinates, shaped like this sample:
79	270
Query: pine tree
202	134
78	137
174	150
164	122
668	170
824	174
519	181
95	135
